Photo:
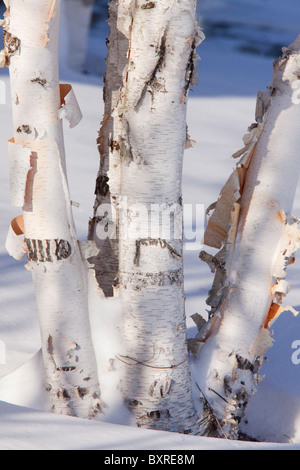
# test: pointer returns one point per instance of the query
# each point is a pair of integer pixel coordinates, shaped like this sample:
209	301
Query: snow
24	428
243	38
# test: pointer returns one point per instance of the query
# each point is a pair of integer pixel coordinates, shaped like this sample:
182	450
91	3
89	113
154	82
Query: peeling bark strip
69	108
152	137
257	237
15	245
39	185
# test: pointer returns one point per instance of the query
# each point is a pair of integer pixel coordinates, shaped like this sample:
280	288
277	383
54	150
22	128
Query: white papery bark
156	383
104	227
255	207
77	16
37	164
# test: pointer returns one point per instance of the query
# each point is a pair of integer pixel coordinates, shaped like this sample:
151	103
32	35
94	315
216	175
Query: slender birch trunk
39	185
77	16
161	65
253	226
104	226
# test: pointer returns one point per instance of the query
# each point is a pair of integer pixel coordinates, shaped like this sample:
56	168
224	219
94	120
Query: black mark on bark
40	248
48	250
11	44
161	57
32	251
227	387
245	364
24	128
40	81
158	414
50	349
153	83
133	403
148	6
190	68
65	394
102	186
66	369
63	249
114	145
82	392
154	414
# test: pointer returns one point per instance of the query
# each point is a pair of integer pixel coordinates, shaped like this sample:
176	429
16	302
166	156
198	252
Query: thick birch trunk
39	185
254	207
156	383
77	15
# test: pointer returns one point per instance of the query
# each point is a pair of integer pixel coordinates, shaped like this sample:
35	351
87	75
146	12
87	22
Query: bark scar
12	46
40	81
158	67
153	242
148	6
190	69
46	251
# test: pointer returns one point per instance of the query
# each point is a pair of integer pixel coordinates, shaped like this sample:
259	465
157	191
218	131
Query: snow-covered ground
243	38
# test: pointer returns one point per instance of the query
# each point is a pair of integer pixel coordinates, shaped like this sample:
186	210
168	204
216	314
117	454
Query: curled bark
257	238
39	185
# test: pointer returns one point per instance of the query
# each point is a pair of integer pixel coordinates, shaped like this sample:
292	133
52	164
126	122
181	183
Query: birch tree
142	141
138	216
39	185
257	237
104	226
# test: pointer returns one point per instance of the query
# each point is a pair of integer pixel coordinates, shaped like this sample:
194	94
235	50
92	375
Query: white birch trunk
37	163
250	281
77	15
104	227
156	382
